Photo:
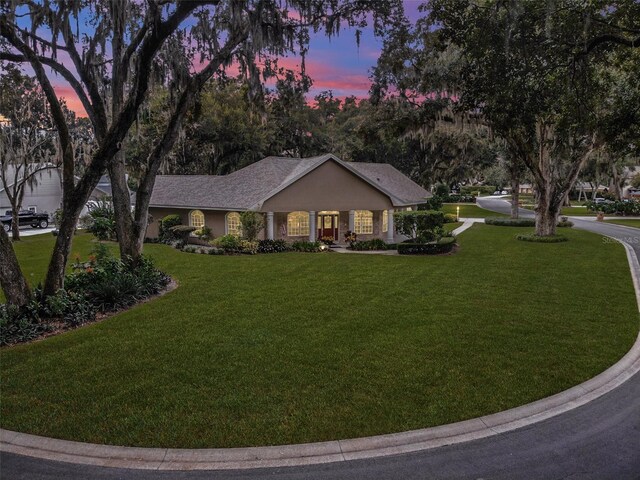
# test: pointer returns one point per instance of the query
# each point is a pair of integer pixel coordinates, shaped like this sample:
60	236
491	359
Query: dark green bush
422	226
101	221
532	237
373	244
21	324
71	308
228	243
433	203
618	207
273	246
444	245
510	222
474	189
306	246
110	284
455	198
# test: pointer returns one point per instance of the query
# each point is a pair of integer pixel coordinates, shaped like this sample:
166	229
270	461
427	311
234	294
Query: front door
328	225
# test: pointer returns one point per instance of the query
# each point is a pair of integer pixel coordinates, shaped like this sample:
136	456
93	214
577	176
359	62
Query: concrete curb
339	450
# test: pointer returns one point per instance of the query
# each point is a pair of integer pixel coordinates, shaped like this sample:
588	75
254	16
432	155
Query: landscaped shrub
350	237
228	243
510	222
273	246
101	222
422	226
110	284
455	198
450	218
203	233
444	245
328	241
71	308
618	207
252	223
474	189
441	190
102	283
21	324
433	203
373	244
166	224
248	247
306	246
565	222
532	237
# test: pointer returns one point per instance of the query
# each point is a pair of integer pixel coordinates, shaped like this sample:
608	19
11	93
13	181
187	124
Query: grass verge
625	222
288	348
469	210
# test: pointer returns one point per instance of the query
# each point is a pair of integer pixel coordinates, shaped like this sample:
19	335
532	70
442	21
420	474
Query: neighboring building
302	198
45	194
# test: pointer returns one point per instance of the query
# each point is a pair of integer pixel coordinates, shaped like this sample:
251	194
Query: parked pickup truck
25	217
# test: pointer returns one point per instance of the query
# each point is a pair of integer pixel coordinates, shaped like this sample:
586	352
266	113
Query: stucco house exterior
301	198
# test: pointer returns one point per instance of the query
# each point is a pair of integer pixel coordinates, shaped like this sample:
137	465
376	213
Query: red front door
328	226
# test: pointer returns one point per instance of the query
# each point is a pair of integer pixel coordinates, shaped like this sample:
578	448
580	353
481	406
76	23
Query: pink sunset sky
337	64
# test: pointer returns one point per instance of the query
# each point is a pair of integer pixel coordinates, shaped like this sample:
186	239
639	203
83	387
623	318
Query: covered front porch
332	225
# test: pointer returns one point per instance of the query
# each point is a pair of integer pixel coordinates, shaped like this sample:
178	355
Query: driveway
29	231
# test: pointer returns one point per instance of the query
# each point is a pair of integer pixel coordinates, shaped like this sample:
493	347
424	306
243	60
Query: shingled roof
250	187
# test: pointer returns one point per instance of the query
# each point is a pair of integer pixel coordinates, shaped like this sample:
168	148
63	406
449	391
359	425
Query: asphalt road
600	440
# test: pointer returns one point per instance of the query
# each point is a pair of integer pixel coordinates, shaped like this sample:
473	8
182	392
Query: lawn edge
337	450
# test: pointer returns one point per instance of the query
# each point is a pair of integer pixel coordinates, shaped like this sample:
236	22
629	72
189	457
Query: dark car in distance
26	218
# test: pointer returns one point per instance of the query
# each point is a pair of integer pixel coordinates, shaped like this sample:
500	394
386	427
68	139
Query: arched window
234	227
196	219
363	221
298	224
385	220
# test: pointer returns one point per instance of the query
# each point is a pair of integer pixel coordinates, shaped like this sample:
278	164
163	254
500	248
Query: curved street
600	440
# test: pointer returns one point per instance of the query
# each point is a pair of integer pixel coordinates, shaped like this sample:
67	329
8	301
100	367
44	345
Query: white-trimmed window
298	224
363	222
196	219
234	227
385	221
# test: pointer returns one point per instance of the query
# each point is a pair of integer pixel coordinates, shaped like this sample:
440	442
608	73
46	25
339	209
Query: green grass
469	210
286	348
449	227
627	222
570	211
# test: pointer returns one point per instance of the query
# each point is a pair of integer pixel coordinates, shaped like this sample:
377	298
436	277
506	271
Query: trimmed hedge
273	246
374	244
444	245
510	222
532	237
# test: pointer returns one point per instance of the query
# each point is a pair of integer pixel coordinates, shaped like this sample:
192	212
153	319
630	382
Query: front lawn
576	211
286	348
469	210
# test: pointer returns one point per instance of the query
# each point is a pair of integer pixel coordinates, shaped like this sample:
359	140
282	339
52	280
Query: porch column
352	220
312	226
270	226
390	226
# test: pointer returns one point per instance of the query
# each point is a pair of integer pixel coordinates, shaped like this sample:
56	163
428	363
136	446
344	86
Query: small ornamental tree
252	224
421	225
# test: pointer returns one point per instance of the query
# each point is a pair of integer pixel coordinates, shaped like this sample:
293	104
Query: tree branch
62	70
68	164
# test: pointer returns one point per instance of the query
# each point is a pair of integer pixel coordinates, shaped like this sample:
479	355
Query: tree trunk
515	195
15	224
14	285
125	229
